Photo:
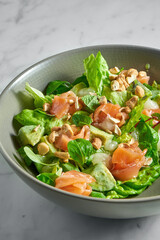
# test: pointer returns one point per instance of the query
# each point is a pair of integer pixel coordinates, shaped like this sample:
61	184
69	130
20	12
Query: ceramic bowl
68	66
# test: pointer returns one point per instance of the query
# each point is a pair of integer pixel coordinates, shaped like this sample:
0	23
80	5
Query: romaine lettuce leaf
96	71
114	96
36	117
137	185
49	178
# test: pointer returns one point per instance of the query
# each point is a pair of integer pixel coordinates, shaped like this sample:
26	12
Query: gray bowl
68	66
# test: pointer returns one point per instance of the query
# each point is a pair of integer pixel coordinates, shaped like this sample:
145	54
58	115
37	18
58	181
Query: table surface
31	31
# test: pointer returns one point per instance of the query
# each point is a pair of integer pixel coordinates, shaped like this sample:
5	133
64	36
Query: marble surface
31	30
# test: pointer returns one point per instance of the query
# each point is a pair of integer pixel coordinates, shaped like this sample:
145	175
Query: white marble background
31	30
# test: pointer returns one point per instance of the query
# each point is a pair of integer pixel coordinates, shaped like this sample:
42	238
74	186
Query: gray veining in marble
31	30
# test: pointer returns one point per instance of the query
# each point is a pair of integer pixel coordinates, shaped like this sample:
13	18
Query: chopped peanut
36	128
125	109
97	143
46	107
51	137
56	129
103	100
139	91
114	85
114	70
62	155
132	102
132	72
142	74
42	148
112	77
117	130
66	128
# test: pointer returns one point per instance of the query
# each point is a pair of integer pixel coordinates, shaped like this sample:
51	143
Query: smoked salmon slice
75	182
127	161
101	112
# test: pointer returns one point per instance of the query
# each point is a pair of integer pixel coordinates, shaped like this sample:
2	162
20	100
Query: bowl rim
22	171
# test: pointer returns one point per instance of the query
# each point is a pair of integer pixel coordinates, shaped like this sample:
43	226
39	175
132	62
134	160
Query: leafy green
97	194
114	96
58	87
80	150
91	102
81	118
39	98
131	89
148	138
81	79
49	178
137	185
35	117
78	87
155	90
104	179
135	115
96	71
68	167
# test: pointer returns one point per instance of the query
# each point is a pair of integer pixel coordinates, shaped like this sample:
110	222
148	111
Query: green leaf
49	178
68	167
97	194
81	118
148	138
58	87
39	98
96	71
115	97
131	89
91	102
81	79
80	150
36	117
137	185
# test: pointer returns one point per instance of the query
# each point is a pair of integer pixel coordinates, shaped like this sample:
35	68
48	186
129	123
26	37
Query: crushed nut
142	74
51	137
103	100
132	72
62	155
46	107
36	128
125	109
68	116
97	143
112	77
148	161
121	118
130	79
117	130
132	102
114	70
114	120
66	129
42	148
115	85
56	129
76	104
139	91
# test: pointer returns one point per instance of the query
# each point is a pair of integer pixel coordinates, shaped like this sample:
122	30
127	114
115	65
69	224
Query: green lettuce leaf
148	138
115	97
68	167
58	87
96	71
80	151
137	185
36	117
39	98
49	178
91	102
81	118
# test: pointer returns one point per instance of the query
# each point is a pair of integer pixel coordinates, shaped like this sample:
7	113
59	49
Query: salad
97	136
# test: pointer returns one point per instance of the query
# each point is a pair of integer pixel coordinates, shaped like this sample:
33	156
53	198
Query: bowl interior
66	66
